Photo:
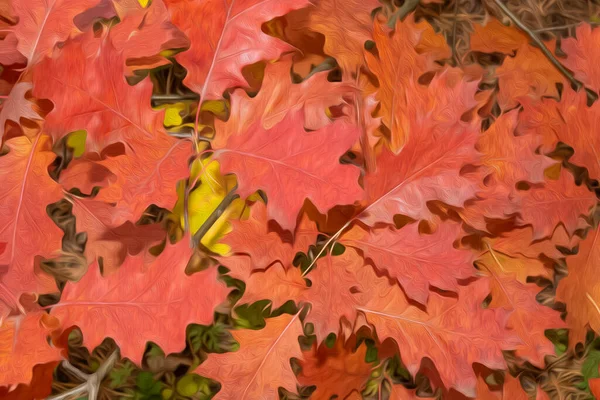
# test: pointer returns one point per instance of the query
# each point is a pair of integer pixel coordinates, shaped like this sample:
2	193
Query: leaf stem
91	384
214	216
540	44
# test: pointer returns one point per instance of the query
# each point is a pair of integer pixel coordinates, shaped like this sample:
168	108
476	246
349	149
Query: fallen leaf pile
394	217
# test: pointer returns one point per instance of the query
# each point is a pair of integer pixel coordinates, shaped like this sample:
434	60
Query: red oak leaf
460	327
264	246
158	302
432	158
107	242
24	344
582	57
291	164
580	290
278	97
261	365
415	260
336	371
138	24
528	318
556	202
229	40
44	23
334	293
113	113
16	106
569	121
26	230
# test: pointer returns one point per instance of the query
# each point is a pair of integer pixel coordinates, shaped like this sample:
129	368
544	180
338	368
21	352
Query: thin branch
91	384
166	98
540	44
214	216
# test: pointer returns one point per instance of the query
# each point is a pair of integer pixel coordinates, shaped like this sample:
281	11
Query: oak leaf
279	97
26	230
569	121
495	37
111	243
24	344
346	26
16	106
556	202
457	326
228	41
415	260
582	57
529	73
265	246
44	23
580	289
397	67
262	363
511	159
335	371
152	301
137	25
338	285
510	290
431	160
291	164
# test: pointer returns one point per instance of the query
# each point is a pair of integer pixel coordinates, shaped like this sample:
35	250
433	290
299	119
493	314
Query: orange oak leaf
400	392
457	326
26	230
431	160
511	159
594	384
397	67
278	97
555	202
291	164
265	247
495	37
580	289
111	243
337	284
582	58
138	24
569	121
529	73
157	303
228	41
530	319
16	106
44	23
415	260
261	365
346	25
24	344
336	371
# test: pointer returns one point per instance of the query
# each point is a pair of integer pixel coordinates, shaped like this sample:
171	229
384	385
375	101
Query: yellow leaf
204	199
144	3
76	141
